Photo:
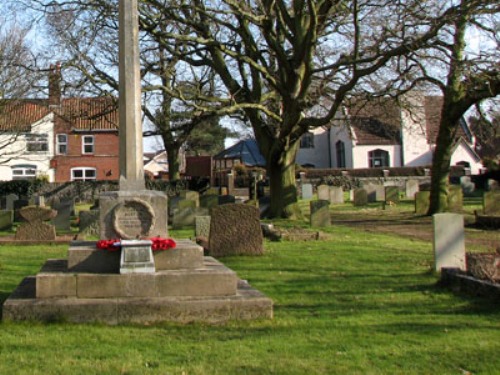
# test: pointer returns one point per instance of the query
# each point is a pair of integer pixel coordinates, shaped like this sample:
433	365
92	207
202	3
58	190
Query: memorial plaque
133	218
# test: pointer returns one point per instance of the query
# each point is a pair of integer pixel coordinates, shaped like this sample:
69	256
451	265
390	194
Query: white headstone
411	187
336	195
449	242
307	191
324	192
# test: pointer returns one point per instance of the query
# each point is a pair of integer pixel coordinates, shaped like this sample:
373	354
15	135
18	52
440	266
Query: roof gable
247	151
19	115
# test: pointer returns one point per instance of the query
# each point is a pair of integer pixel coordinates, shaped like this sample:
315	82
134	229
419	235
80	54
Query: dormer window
87	144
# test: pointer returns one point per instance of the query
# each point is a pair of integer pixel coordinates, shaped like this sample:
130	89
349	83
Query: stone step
213	279
246	304
83	256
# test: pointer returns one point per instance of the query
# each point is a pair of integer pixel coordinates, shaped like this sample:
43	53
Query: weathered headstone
307	191
492	185
89	223
449	243
336	195
186	203
62	220
192	196
202	226
226	199
320	213
491	203
209	201
173	204
235	229
6	219
19	205
374	192
323	193
360	197
467	185
185	217
455	198
422	202
411	188
212	191
34	229
9	201
391	194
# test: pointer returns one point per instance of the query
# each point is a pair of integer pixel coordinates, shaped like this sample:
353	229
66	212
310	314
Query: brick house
77	137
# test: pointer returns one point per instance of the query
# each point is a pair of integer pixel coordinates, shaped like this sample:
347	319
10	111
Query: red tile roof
81	113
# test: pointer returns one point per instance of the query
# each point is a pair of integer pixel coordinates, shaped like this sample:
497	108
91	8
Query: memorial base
186	287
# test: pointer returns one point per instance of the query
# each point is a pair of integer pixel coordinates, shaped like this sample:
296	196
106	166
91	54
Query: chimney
55	79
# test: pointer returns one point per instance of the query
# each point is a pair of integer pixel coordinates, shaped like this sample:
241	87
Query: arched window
378	158
307	140
340	150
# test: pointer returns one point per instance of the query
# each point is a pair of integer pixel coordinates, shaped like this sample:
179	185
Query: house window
37	142
307	140
378	158
61	144
340	150
23	172
88	144
83	174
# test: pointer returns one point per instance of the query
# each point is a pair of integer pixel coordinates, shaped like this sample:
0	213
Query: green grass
358	303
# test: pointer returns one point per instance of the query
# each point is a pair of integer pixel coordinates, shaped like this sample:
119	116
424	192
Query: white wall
463	153
317	156
14	151
360	155
416	150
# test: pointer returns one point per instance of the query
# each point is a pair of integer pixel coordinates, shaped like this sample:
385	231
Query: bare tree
18	78
87	32
289	65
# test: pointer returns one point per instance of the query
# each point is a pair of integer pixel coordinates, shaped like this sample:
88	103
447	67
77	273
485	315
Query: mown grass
358	303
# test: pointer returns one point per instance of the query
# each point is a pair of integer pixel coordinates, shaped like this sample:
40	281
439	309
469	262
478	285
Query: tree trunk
174	173
281	173
441	166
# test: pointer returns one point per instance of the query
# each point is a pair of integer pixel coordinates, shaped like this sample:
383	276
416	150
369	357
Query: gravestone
64	209
34	229
89	224
173	204
209	201
202	226
491	203
235	230
492	185
360	197
185	217
19	205
226	199
411	188
6	219
375	192
391	194
422	202
448	241
212	191
336	195
455	198
9	201
186	203
467	185
307	191
320	213
323	193
192	196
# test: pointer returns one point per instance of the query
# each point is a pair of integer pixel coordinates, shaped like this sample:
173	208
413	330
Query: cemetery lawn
357	302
